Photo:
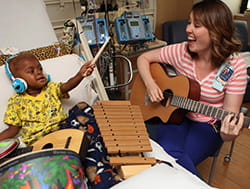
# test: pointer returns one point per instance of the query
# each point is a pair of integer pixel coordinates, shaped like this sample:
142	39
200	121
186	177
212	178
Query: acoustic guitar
181	95
72	139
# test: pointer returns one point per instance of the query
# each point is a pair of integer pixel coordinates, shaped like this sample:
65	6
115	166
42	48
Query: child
38	110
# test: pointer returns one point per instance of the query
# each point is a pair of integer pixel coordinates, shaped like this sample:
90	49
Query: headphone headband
6	65
18	84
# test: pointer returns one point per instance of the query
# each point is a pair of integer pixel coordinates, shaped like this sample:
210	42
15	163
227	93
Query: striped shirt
178	56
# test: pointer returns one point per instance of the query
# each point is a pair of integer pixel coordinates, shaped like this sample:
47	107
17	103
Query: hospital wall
165	10
179	9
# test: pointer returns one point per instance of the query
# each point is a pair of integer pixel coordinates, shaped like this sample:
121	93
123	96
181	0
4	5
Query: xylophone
125	136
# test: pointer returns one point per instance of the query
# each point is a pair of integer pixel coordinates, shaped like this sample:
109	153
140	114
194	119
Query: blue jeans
189	142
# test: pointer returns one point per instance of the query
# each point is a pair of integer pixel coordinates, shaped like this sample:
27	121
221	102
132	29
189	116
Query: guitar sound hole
167	97
47	146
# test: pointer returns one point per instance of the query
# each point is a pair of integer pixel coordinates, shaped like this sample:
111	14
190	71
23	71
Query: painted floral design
50	172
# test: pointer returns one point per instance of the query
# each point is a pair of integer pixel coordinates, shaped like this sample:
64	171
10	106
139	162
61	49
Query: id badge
222	77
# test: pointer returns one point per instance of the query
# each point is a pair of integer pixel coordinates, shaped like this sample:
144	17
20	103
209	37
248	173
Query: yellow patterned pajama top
38	115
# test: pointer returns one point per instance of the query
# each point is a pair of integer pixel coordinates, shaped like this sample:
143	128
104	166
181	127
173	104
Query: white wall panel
25	24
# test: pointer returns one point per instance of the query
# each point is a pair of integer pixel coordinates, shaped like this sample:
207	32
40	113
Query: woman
210	57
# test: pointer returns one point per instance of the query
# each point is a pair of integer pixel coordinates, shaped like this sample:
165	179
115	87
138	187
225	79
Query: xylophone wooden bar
132	160
124	133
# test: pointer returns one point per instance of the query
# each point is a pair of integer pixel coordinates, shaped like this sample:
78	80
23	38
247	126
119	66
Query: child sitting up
38	110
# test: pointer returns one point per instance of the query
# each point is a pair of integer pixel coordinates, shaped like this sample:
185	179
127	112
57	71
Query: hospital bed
27	27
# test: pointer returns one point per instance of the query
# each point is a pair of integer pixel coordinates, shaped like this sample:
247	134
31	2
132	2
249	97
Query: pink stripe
178	56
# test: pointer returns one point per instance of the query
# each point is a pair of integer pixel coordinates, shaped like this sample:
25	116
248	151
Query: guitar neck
205	109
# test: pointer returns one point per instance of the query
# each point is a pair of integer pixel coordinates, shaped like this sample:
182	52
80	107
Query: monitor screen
134	23
86	27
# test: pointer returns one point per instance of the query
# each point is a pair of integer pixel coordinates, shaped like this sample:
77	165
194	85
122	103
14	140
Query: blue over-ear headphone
18	84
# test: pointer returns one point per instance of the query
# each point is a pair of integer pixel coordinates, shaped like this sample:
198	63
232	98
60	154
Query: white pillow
60	69
163	176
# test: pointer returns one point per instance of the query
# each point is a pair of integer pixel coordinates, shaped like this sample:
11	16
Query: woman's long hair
218	19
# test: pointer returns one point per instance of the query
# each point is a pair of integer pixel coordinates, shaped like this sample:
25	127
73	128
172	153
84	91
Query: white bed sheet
162	175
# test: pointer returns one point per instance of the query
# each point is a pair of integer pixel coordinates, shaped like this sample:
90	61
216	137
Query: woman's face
199	40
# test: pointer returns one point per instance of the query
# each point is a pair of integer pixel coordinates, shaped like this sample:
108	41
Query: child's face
31	71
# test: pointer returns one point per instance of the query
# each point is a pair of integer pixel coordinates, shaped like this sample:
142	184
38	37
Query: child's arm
85	71
11	132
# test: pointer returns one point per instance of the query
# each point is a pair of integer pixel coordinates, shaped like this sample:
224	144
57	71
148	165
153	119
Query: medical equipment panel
94	29
132	27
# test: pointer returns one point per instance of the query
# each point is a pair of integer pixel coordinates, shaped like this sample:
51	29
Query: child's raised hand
87	69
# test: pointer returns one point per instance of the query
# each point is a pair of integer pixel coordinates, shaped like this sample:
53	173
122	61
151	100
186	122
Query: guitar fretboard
205	109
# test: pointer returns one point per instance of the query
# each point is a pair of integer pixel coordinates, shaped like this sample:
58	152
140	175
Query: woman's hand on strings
231	126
